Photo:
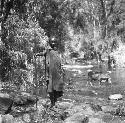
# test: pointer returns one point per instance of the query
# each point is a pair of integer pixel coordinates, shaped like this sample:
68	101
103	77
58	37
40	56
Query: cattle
102	78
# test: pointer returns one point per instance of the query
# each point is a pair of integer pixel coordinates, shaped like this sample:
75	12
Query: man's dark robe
55	72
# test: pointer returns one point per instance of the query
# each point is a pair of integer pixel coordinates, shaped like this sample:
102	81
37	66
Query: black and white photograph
62	61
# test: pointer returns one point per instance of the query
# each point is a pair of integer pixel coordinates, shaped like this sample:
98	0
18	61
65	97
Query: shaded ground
81	103
81	92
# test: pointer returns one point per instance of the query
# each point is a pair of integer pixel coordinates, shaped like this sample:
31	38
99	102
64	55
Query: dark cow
98	76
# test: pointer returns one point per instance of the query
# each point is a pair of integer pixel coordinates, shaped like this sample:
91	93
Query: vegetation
77	27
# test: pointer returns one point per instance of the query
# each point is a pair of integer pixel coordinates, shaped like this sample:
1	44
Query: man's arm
41	54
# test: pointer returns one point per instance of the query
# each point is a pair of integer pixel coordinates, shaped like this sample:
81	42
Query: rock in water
64	105
77	118
95	120
7	119
26	118
115	97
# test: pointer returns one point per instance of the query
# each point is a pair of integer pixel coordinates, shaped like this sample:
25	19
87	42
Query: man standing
54	74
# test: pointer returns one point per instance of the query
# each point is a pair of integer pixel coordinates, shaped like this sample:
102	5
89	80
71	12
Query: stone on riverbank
115	97
76	66
64	105
95	120
108	109
77	118
80	114
6	118
82	108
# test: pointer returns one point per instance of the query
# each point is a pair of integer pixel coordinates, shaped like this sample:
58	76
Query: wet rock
115	97
26	118
116	120
76	66
4	95
64	105
83	108
75	109
99	115
64	115
107	118
96	107
25	94
115	103
95	120
44	102
108	109
89	111
120	111
77	118
7	119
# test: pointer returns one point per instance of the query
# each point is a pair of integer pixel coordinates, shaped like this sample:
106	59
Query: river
79	87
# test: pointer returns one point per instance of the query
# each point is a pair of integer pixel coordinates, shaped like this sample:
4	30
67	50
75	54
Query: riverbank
107	111
81	102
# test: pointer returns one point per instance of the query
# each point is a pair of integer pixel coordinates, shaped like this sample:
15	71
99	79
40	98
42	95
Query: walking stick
45	72
36	80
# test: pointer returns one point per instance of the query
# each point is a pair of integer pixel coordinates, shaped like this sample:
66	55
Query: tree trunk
103	19
4	33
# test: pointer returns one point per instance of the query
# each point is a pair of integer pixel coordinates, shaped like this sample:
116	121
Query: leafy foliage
73	25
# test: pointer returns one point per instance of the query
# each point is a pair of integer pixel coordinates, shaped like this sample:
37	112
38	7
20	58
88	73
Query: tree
50	18
7	8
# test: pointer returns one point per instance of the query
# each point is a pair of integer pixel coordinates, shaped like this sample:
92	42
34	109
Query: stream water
80	87
118	81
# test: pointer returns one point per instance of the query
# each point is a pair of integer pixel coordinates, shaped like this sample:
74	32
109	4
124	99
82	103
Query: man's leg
51	96
55	96
58	95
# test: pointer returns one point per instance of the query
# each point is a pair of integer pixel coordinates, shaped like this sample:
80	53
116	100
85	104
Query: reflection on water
117	77
118	82
117	74
79	85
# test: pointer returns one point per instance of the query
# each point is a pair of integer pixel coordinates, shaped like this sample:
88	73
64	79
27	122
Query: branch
111	8
103	16
8	7
2	5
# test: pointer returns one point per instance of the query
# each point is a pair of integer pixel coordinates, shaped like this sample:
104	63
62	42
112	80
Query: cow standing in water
111	62
54	74
99	57
102	78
